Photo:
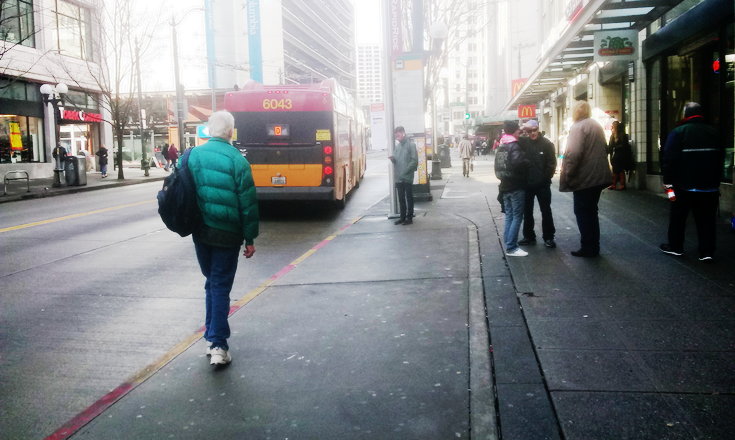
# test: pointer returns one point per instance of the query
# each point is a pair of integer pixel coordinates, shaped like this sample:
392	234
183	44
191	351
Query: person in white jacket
465	152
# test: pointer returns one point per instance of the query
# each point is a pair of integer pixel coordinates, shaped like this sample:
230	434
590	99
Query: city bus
303	142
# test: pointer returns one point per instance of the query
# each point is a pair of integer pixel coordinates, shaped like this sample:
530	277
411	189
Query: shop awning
573	51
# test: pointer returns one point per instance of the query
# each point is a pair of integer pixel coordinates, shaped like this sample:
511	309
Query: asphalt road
94	287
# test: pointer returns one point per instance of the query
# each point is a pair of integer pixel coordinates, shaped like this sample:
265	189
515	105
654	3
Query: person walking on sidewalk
226	197
465	152
692	164
173	156
405	162
510	168
541	156
585	171
621	155
102	154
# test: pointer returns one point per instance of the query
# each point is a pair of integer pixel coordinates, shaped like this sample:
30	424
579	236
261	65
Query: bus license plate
279	180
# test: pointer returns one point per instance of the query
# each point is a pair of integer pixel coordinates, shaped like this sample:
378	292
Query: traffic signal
467	115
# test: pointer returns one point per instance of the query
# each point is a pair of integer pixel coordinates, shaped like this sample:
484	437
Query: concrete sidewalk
380	332
38	188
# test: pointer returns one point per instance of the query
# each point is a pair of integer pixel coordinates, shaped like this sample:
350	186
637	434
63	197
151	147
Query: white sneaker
517	252
208	352
220	356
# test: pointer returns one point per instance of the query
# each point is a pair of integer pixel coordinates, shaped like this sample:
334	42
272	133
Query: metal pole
211	66
179	91
388	87
51	137
144	163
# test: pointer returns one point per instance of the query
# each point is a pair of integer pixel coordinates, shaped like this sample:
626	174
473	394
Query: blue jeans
513	202
218	266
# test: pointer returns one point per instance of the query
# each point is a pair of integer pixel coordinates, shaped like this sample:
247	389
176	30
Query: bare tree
461	20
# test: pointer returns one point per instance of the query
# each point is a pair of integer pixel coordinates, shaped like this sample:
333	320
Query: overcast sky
367	21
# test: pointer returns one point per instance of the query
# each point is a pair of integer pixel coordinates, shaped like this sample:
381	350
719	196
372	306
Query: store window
16	22
20	139
73	30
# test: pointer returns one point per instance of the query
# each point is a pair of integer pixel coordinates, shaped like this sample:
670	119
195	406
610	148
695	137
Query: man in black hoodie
541	157
692	165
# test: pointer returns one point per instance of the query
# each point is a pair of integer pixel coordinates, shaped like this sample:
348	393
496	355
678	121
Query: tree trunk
119	136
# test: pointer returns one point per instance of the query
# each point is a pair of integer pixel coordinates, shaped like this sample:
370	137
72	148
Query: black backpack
177	200
502	162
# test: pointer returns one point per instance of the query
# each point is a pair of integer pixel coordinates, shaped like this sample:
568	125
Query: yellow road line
72	216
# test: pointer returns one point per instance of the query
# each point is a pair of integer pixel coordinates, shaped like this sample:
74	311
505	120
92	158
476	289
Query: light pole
54	103
439	33
144	162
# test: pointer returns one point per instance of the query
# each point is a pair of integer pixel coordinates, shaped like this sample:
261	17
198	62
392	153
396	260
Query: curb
482	393
73	190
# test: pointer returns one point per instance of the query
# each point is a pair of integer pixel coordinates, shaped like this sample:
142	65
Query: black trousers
543	194
588	222
703	206
405	199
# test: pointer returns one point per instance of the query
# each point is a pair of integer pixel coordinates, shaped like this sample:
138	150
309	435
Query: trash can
70	171
75	171
81	170
444	156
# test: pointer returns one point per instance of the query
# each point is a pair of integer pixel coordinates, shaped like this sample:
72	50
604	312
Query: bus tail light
328	165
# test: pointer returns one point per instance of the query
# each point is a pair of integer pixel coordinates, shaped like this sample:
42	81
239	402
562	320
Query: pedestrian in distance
541	156
585	172
173	155
102	155
692	164
164	153
405	163
465	153
510	168
61	154
621	155
227	200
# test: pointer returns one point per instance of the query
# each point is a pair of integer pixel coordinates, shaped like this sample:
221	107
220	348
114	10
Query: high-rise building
467	71
369	74
319	41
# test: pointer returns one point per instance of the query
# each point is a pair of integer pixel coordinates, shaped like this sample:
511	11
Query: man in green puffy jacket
226	196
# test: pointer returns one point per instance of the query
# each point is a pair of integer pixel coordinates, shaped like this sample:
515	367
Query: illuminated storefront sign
516	85
616	45
526	111
72	115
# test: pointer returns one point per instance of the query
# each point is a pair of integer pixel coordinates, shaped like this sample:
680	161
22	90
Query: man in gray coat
585	171
405	162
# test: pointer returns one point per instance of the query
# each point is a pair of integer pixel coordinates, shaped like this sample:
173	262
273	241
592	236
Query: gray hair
221	124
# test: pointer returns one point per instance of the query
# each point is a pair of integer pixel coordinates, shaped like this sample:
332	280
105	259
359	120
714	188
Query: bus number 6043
277	104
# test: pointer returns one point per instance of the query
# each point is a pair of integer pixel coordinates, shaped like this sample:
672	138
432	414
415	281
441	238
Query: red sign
72	115
526	111
517	84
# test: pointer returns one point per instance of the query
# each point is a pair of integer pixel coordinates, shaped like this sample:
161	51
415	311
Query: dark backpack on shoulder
502	162
177	200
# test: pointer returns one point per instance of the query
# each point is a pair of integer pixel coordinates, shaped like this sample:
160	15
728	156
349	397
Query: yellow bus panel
296	175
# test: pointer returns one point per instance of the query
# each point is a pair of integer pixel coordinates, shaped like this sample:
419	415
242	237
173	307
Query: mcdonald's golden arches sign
526	111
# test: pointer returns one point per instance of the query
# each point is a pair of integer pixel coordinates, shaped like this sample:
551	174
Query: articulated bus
303	142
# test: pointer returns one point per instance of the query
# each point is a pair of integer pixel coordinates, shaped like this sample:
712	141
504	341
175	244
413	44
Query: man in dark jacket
510	168
227	200
541	157
692	164
405	160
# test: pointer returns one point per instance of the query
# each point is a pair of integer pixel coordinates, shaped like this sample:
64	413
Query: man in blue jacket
692	165
226	198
